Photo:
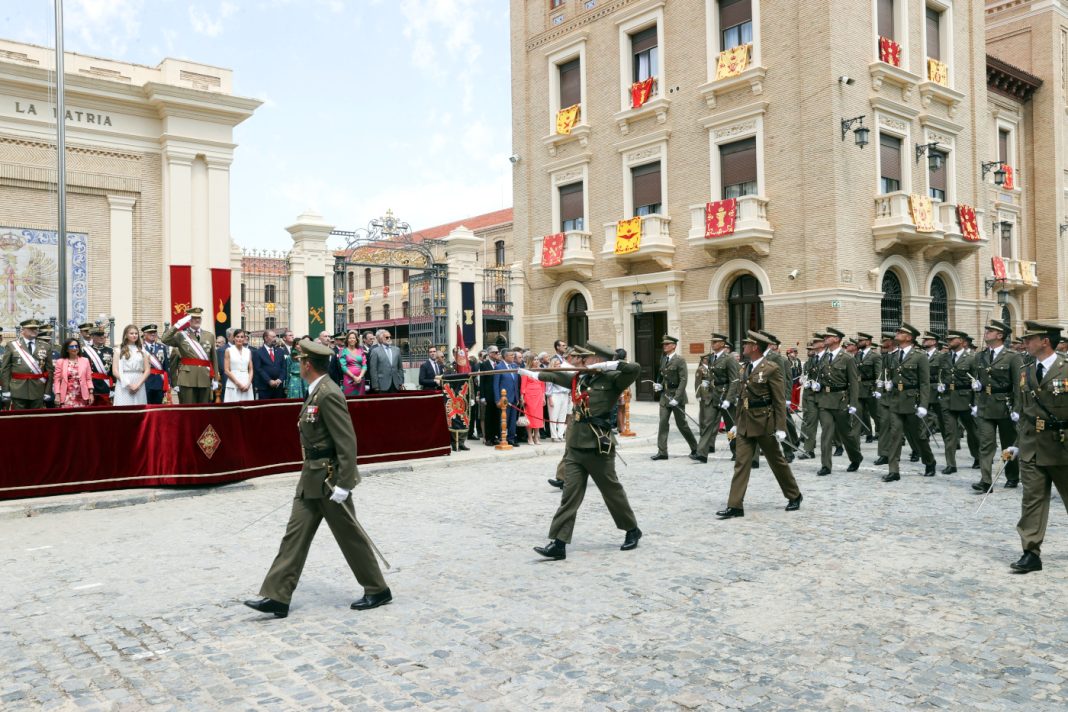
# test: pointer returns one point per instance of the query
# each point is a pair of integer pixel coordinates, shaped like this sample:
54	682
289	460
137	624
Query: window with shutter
889	163
938	179
735	22
571	209
1003	146
738	168
645	189
570	83
934	37
644	50
886	19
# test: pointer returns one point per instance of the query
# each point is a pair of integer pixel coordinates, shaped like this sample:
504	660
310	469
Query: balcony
579	132
1019	275
656	244
893	226
883	73
751	228
752	77
953	240
578	256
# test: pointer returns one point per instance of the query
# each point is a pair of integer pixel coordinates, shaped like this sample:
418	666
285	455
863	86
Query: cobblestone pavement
873	597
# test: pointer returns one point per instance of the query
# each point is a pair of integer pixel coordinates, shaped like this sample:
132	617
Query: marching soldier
671	385
26	369
761	423
837	389
868	363
1062	345
938	360
158	383
999	374
195	358
323	492
1041	449
773	355
590	449
810	418
717	390
100	359
576	358
909	377
958	399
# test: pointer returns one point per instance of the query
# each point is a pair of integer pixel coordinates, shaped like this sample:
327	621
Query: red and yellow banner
969	226
566	119
640	92
922	210
998	265
181	290
1027	273
1010	179
720	217
220	299
733	61
552	250
628	236
937	72
889	51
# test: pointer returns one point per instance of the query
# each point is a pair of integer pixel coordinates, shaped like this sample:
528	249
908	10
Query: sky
368	104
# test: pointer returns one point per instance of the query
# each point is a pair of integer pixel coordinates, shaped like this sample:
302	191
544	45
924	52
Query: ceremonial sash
203	359
157	370
94	358
30	361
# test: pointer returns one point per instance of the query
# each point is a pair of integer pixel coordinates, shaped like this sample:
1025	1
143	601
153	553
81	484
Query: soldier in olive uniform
1062	345
837	389
26	368
999	374
810	418
195	357
83	332
958	399
1042	438
773	355
717	389
100	357
869	364
938	360
323	492
909	376
591	447
671	385
761	423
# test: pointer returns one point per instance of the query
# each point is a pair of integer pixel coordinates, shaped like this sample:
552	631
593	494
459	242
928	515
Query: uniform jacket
83	382
959	396
999	377
188	375
107	357
385	370
839	381
724	382
762	404
604	390
12	363
784	365
325	426
508	380
161	352
939	363
910	381
673	378
1039	437
869	366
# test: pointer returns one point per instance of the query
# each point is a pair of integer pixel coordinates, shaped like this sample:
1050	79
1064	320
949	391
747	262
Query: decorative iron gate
264	291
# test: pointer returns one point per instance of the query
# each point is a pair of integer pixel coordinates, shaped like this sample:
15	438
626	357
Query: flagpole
61	181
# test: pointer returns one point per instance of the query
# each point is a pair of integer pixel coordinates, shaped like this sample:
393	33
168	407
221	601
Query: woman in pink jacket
72	384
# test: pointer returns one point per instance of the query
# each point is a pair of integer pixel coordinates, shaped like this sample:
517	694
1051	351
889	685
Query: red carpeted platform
45	452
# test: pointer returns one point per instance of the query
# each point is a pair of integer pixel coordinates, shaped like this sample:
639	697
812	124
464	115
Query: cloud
103	26
204	23
441	35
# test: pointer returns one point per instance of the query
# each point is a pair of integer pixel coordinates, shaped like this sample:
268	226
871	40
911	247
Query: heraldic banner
997	264
154	446
628	236
181	290
1010	179
552	250
922	210
733	61
566	119
220	299
316	305
720	217
640	92
969	226
889	51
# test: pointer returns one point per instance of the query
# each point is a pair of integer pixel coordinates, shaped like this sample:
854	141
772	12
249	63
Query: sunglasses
72	347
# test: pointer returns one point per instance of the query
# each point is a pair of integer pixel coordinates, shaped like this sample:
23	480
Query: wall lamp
636	306
934	158
999	172
860	133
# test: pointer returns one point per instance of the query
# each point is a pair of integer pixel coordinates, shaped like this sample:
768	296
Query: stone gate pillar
311	276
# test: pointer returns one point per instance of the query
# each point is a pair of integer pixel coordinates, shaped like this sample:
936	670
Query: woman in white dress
237	363
131	369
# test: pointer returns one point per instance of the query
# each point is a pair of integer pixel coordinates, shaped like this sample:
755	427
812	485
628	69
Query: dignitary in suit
269	368
158	356
718	384
26	368
671	385
386	373
508	381
909	378
430	372
998	368
323	492
837	388
761	422
590	448
958	399
196	376
1041	448
101	358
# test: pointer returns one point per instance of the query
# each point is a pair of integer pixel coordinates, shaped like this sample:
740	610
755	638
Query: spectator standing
353	362
430	372
158	355
131	370
269	368
387	375
100	361
295	385
73	384
491	415
532	393
239	369
508	381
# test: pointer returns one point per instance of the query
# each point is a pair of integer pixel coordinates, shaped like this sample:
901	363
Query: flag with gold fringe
733	61
998	265
566	119
969	226
937	72
922	210
1027	273
552	250
889	51
1010	179
640	92
628	236
720	217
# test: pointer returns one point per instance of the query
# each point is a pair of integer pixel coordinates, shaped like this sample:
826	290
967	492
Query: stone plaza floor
873	597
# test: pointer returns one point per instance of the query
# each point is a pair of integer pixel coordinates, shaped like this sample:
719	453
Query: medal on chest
311	414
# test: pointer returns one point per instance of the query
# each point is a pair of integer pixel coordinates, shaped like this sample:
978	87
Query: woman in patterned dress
353	366
73	385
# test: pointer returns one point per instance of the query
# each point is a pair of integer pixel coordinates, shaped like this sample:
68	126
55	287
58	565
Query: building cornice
1010	81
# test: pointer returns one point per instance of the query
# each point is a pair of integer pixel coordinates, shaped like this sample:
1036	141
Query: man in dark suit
269	369
334	370
508	381
487	399
430	372
387	375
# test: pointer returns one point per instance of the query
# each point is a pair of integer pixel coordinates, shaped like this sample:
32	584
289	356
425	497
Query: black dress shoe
631	540
788	456
267	605
891	477
556	550
823	471
730	513
1028	562
755	465
980	487
794	504
697	458
464	447
1012	484
975	464
693	455
372	600
869	439
949	470
914	457
658	456
882	461
839	451
559	484
807	456
929	470
854	466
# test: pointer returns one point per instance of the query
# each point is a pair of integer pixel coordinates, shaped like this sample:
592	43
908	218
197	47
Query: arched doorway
890	309
939	307
745	307
578	329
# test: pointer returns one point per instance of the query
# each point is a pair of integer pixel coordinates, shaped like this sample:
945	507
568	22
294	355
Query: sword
992	483
256	521
930	435
866	428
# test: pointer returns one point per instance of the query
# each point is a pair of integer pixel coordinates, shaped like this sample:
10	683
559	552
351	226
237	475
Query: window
735	22
1006	229
1003	146
269	293
938	179
570	83
270	323
939	307
367	313
406	310
385	311
554	4
385	276
243	293
890	308
934	34
571	208
498	249
746	308
352	316
367	278
577	325
738	168
500	299
644	50
889	165
404	275
886	19
352	282
645	187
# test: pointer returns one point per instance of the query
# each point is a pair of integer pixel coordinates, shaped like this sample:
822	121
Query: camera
793	274
513	159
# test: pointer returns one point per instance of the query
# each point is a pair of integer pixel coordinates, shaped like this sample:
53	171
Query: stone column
122	259
177	218
462	248
309	258
218	187
236	253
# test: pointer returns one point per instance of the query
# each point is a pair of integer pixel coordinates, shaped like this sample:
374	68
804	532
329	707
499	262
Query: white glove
673	402
921	411
214	385
176	389
725	405
528	373
704	384
851	410
1010	453
941	387
780	435
180	324
816	386
48	398
876	395
887	385
5	394
657	387
975	410
977	386
339	495
604	366
1015	417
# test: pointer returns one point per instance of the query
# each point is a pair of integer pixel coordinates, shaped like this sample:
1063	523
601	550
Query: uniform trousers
26	403
304	521
1034	508
988	431
836	422
951	424
680	422
743	463
907	426
189	394
155	397
868	412
709	416
579	466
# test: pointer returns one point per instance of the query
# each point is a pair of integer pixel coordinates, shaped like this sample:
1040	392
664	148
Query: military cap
772	338
756	337
149	329
1064	340
861	336
30	324
815	343
718	337
669	340
581	352
602	351
831	331
1001	326
194	311
86	326
314	350
931	335
728	344
907	328
818	335
888	335
955	334
1035	328
98	331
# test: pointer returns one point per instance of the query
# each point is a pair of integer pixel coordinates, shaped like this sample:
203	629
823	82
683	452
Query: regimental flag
922	210
720	217
316	304
889	51
1027	273
566	119
640	92
552	250
628	236
937	72
969	226
220	297
733	61
998	265
181	290
1010	179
